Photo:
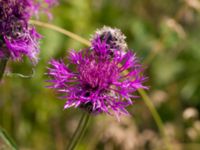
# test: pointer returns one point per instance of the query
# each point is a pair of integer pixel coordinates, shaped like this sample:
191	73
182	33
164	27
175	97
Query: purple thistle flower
96	82
17	37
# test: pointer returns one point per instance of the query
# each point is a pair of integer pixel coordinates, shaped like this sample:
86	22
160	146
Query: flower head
17	37
112	37
97	82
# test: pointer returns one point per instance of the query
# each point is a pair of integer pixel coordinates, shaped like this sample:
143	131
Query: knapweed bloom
97	80
17	37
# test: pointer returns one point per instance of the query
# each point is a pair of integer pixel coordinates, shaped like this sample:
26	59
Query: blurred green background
164	34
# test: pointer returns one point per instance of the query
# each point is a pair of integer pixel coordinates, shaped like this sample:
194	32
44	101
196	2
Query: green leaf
7	139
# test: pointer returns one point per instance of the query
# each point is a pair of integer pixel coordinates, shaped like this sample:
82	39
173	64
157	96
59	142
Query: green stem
7	139
79	131
3	63
152	110
3	135
143	94
61	30
156	117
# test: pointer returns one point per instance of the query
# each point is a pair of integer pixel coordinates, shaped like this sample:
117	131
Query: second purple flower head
17	36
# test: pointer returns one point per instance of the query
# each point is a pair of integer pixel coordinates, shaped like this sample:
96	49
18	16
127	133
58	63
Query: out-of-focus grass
165	34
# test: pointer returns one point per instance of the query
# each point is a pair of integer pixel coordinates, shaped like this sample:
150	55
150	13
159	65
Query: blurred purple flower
17	37
99	82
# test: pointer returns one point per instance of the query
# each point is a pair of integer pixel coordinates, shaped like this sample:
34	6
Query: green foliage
165	34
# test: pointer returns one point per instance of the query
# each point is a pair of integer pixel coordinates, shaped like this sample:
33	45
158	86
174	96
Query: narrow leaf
7	139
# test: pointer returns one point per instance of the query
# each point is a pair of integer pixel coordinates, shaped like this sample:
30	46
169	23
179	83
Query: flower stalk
156	117
7	139
79	131
3	63
61	30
